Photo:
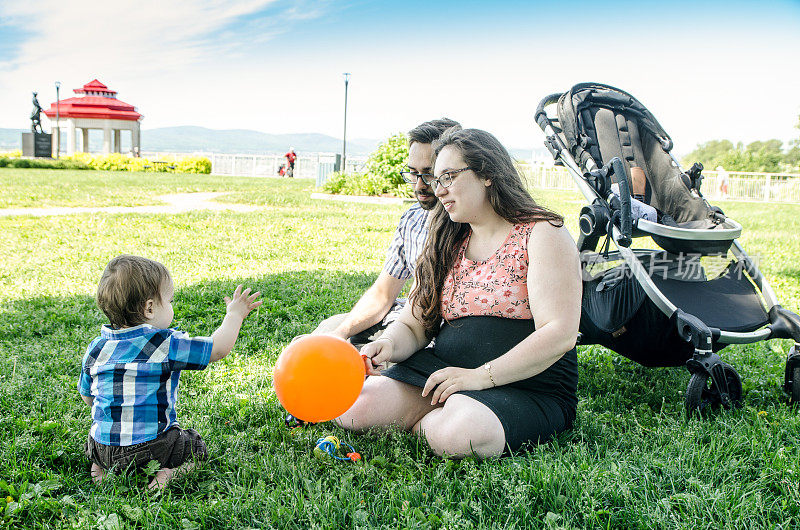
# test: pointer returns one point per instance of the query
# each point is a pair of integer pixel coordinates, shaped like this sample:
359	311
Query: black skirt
531	410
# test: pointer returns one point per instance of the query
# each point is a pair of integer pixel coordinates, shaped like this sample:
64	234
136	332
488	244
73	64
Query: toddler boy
130	372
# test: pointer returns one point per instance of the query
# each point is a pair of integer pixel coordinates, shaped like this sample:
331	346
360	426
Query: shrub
120	162
381	173
194	164
46	163
80	157
137	164
335	183
71	164
389	159
111	162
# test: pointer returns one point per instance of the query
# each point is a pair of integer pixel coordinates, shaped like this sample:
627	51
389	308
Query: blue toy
331	446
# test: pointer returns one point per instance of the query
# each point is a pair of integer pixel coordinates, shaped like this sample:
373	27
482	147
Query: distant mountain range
188	139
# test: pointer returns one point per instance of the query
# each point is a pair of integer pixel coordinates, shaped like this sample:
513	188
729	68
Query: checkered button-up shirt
409	238
133	374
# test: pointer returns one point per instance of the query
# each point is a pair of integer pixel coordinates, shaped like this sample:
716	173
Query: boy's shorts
171	448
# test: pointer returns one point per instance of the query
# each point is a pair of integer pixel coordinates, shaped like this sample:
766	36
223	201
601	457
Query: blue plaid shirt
132	374
409	238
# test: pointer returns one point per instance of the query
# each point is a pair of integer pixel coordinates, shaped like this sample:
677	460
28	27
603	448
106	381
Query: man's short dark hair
426	133
126	285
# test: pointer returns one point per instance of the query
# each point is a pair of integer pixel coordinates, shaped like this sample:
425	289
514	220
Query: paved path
176	203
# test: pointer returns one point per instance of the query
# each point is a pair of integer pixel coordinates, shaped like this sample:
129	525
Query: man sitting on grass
130	372
379	305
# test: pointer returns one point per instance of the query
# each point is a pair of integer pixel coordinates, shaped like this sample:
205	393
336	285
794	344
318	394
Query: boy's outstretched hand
242	302
238	307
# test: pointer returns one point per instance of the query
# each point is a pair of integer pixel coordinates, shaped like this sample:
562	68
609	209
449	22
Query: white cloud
122	35
126	43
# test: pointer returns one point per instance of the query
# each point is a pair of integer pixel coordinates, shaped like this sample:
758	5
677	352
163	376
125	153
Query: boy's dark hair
125	287
426	133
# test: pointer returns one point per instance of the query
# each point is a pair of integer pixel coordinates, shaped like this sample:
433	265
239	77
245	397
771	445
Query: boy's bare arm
238	307
89	400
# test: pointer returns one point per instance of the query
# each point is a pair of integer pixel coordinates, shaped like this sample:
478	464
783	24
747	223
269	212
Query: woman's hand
376	354
452	379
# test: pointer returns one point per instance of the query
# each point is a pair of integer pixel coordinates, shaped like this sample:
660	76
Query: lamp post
344	134
58	125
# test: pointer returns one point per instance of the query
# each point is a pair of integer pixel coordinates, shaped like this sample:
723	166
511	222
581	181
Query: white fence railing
742	186
316	166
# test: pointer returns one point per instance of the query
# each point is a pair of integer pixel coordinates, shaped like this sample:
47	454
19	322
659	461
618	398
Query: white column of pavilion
112	134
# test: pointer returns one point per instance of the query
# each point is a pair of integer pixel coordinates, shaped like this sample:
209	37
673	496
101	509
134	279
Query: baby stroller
688	299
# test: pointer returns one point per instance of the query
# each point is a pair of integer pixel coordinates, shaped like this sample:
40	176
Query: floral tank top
493	287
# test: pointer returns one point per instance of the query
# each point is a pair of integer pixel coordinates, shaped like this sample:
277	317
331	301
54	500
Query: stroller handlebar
541	116
625	200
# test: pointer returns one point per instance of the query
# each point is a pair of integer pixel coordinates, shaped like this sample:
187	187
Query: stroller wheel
795	390
702	394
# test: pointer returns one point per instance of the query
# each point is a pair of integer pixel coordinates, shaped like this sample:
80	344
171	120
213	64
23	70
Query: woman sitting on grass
504	275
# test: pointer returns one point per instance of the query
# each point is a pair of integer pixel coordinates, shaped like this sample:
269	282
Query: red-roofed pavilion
95	107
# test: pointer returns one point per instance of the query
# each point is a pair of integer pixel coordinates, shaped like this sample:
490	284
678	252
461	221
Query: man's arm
89	400
373	305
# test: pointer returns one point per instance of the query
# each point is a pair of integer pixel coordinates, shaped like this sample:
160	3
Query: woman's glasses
445	179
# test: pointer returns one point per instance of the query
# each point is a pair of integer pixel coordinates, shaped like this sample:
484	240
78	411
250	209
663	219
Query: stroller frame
713	382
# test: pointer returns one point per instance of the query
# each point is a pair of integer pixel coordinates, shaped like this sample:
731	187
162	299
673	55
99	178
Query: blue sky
706	69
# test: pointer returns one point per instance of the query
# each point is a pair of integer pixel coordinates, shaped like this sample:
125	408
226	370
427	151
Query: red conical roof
94	86
99	102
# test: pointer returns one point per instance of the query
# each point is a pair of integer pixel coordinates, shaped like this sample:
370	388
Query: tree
381	173
773	146
389	159
792	158
710	154
761	156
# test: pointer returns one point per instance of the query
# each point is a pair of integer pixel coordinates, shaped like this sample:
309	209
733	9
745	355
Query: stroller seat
613	124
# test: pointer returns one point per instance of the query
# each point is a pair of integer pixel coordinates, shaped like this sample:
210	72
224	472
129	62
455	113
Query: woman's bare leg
384	402
462	427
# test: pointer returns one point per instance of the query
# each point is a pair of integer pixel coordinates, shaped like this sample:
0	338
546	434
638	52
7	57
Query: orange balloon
317	378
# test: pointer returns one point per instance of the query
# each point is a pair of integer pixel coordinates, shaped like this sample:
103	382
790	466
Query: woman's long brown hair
487	157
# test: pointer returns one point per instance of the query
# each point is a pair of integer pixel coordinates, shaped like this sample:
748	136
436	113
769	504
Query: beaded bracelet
488	368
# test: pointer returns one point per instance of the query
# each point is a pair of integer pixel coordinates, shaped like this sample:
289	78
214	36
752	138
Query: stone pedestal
37	144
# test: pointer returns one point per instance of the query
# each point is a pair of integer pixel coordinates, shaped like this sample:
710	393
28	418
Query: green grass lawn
633	459
42	188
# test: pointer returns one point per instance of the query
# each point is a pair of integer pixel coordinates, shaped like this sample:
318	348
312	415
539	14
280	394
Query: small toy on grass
331	446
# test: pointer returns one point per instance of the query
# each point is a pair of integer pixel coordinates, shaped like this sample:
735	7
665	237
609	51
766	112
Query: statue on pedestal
36	120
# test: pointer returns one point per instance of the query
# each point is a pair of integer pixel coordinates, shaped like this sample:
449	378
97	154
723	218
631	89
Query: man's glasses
445	179
412	176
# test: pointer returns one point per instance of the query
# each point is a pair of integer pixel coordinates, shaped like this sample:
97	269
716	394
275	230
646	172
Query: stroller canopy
600	122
